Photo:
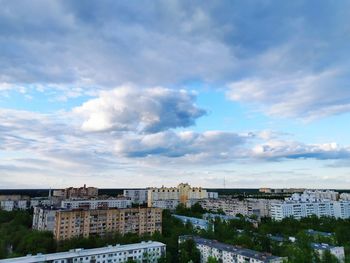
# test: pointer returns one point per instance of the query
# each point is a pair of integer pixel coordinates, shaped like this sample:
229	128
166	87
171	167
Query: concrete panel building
140	252
84	223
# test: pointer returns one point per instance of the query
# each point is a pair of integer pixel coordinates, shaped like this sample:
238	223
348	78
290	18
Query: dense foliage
17	238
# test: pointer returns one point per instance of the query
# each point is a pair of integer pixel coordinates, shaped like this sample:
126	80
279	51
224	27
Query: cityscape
174	131
181	223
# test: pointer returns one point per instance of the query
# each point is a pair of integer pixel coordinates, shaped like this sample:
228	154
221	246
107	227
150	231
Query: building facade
79	192
96	203
44	218
226	253
297	209
197	223
140	252
84	223
338	252
183	193
230	206
137	196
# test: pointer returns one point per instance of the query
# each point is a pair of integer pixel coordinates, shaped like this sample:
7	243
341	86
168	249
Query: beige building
84	223
76	192
183	193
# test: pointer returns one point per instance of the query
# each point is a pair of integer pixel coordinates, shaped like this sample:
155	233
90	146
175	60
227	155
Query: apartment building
44	218
183	192
338	252
10	205
296	209
96	203
84	223
230	206
170	204
137	196
197	223
226	253
315	195
281	190
150	251
79	192
345	196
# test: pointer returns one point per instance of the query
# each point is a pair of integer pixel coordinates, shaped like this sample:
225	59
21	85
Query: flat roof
321	246
80	252
265	257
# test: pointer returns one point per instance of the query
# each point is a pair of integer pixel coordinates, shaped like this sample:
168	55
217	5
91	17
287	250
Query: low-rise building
226	253
96	203
196	222
338	252
150	251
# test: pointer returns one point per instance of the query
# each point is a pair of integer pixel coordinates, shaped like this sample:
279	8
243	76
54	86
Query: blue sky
133	94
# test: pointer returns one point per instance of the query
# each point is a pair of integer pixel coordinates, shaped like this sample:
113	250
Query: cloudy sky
145	93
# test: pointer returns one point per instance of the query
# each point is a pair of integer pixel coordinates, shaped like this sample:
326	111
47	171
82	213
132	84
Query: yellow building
84	223
183	192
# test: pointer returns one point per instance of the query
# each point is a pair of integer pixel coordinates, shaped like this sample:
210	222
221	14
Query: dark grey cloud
285	57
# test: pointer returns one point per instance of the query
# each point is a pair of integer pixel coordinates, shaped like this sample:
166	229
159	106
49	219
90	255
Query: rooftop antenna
224	182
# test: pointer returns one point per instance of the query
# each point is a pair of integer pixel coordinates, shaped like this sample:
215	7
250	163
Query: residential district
176	224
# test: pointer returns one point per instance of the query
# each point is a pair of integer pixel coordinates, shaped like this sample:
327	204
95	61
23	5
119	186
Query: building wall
43	219
303	209
95	204
83	223
140	252
137	196
183	193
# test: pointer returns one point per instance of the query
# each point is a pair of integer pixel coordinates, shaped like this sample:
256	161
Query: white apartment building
247	207
137	196
338	252
299	209
140	252
170	204
315	195
345	196
96	204
226	253
10	205
44	219
39	201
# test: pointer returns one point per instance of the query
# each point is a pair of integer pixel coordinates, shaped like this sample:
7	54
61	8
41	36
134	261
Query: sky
119	94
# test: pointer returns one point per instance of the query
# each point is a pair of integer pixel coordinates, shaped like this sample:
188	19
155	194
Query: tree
189	252
212	259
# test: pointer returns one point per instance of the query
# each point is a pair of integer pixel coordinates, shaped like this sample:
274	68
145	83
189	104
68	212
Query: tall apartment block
84	223
183	193
137	196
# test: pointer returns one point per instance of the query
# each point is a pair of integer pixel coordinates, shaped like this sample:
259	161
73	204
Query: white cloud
301	95
142	110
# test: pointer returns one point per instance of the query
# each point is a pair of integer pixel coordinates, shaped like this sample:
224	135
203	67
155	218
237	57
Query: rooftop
80	252
322	246
265	257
